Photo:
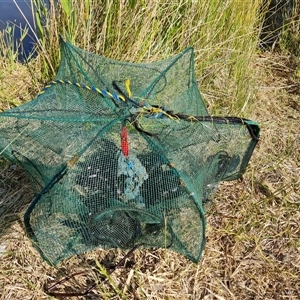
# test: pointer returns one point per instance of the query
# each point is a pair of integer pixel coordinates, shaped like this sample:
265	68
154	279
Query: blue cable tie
116	97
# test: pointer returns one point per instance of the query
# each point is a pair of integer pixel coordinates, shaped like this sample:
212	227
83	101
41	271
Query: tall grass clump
14	76
224	34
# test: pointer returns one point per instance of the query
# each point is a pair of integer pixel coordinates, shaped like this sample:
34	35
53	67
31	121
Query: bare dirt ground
253	234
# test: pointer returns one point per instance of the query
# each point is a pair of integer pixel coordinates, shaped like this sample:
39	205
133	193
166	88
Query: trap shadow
15	195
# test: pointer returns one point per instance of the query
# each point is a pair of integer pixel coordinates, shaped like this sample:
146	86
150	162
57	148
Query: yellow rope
192	118
127	86
146	110
158	110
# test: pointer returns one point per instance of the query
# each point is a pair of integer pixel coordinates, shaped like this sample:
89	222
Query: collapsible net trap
122	154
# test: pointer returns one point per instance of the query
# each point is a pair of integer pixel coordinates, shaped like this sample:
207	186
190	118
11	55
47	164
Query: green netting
122	154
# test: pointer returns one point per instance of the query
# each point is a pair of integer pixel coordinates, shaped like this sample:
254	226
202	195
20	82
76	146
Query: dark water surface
10	14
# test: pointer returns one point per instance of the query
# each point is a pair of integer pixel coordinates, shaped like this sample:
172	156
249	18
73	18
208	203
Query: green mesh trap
122	154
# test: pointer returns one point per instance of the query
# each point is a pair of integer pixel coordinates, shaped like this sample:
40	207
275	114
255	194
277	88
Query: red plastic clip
124	141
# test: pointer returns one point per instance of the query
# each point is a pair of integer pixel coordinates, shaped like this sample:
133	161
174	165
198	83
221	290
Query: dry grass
14	82
253	234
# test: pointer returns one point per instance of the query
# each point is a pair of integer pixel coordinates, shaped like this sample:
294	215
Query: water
10	14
